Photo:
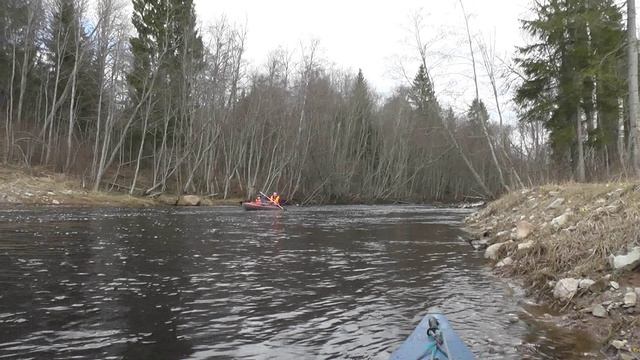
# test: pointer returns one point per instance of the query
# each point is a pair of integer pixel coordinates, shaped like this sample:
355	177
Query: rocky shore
575	247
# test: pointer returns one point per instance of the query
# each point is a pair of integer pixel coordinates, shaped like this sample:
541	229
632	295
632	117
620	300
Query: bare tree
488	61
422	51
483	121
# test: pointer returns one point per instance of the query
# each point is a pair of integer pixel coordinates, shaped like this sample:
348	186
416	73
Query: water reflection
326	282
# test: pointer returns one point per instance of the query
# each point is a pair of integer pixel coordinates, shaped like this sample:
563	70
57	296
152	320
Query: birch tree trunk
580	171
632	79
620	137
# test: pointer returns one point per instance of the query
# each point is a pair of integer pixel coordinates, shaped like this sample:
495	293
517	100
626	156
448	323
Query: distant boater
263	202
275	198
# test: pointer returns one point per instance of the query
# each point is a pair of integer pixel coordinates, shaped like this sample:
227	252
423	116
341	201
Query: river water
199	283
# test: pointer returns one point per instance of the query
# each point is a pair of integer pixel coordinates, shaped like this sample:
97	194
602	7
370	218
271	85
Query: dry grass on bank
601	219
568	233
40	186
43	187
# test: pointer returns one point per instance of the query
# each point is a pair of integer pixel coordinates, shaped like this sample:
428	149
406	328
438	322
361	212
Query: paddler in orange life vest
275	198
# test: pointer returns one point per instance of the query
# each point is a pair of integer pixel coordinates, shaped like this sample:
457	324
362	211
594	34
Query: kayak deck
419	345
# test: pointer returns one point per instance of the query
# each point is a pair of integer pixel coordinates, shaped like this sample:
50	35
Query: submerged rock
473	205
626	262
566	288
479	244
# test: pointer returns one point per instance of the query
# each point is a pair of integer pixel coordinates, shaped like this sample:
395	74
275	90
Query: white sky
376	36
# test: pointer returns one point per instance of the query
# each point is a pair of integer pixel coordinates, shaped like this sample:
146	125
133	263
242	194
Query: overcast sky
376	35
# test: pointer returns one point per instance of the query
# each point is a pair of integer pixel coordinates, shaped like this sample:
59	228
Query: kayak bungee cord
434	339
439	340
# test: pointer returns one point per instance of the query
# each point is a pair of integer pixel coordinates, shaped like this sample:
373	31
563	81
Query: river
335	282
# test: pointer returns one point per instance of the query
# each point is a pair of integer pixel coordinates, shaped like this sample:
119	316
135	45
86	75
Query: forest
139	96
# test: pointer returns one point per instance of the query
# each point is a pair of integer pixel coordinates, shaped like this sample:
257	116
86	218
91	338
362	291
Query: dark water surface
200	283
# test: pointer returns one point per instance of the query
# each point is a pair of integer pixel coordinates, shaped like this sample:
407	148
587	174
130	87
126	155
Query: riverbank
38	186
575	247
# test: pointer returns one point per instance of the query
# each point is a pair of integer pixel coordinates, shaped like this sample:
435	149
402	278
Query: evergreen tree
12	20
422	95
572	62
69	48
167	42
476	112
20	21
362	117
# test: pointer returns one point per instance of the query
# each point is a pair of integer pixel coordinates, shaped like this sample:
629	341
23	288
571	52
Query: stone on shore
599	311
560	221
619	344
585	283
492	251
523	229
525	245
189	200
556	203
626	262
505	262
566	288
630	298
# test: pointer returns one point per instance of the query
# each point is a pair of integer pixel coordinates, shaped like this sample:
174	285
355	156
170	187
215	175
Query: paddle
278	205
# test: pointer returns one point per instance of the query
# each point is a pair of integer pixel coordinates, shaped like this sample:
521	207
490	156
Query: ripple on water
320	282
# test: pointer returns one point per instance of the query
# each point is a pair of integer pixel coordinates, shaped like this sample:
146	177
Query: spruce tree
573	60
422	95
476	112
362	113
168	47
68	43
